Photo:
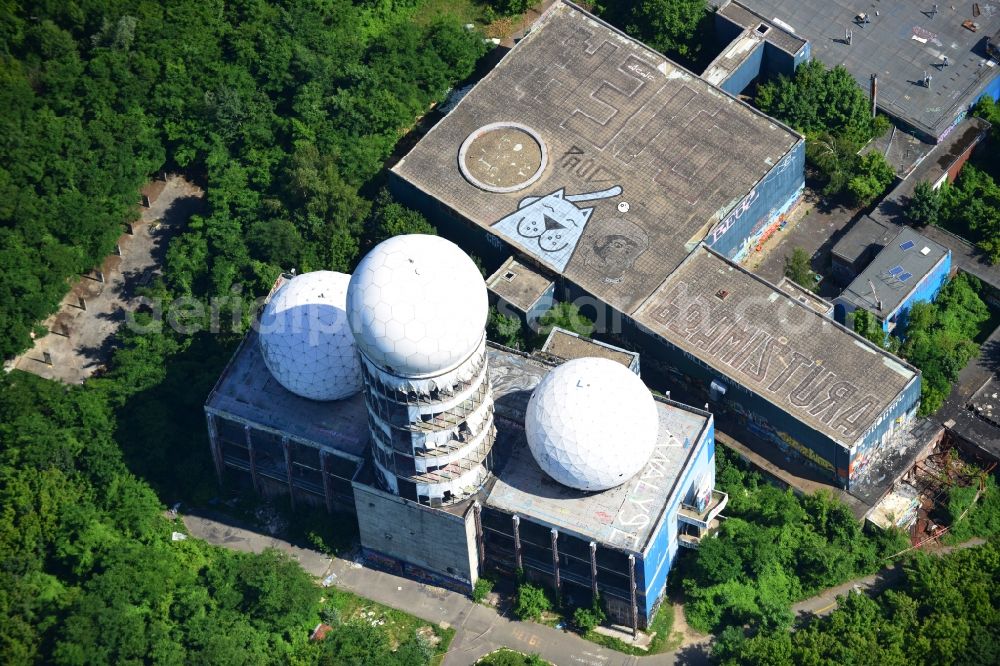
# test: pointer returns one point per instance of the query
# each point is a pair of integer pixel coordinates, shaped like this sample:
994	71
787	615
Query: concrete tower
417	306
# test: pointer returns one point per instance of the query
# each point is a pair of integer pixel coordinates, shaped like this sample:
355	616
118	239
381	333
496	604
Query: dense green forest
945	611
285	113
774	548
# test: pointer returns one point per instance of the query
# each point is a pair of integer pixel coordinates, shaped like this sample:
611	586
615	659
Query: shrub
531	602
587	619
481	589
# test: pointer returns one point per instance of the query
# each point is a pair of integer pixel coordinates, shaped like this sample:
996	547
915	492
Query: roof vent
763	28
722	294
925	251
509	276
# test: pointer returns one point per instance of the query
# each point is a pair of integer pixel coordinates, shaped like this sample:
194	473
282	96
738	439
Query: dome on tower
591	424
417	305
306	341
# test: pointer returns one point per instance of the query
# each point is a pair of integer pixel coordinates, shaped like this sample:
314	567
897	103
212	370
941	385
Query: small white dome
417	305
306	341
591	424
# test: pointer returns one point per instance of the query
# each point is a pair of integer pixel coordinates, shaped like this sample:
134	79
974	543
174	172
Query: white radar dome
417	305
591	424
305	338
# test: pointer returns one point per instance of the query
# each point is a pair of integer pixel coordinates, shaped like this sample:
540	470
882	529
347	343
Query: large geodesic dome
305	338
417	305
591	424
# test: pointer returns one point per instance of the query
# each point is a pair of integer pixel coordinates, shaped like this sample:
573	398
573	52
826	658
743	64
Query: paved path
480	629
80	341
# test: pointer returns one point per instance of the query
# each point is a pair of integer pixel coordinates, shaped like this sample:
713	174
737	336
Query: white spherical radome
305	338
591	424
417	305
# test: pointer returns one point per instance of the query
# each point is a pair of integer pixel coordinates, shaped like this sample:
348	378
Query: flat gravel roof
595	156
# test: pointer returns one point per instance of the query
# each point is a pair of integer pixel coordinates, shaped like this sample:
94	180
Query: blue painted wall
925	292
543	305
768	62
992	90
900	413
737	234
662	549
742	76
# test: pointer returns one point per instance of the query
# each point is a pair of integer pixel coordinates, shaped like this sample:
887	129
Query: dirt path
826	601
79	342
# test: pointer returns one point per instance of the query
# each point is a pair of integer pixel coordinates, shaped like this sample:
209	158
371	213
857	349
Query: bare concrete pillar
517	542
248	438
144	201
327	487
118	249
100	275
555	558
213	438
477	511
129	229
46	358
593	568
287	448
81	303
631	585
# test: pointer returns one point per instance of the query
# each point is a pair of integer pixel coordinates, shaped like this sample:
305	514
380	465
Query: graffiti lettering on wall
760	426
741	208
865	454
795	380
722	227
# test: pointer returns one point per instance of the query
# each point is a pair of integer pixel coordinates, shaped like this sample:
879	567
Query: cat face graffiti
550	226
553	220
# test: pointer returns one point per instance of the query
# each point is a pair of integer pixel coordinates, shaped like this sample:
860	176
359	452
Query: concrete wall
490	249
766	62
437	541
738	233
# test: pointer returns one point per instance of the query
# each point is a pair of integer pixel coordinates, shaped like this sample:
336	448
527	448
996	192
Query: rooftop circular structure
417	305
502	157
591	424
306	340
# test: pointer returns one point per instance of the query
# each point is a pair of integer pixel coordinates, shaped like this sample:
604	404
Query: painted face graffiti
551	226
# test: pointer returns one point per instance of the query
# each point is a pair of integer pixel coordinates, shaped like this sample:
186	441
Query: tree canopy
939	337
284	111
971	208
774	548
946	611
674	27
798	267
834	113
